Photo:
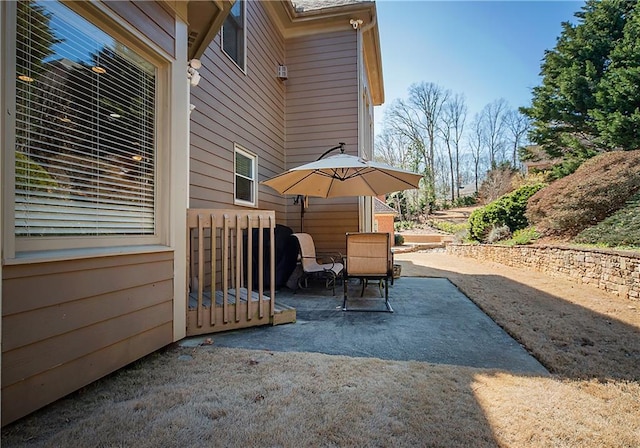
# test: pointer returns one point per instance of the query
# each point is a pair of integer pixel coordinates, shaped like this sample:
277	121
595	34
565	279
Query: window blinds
84	129
244	177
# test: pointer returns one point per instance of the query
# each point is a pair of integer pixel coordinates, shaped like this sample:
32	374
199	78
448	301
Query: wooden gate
230	253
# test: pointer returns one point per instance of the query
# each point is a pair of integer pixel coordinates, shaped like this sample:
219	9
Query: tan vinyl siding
245	108
68	323
322	110
150	18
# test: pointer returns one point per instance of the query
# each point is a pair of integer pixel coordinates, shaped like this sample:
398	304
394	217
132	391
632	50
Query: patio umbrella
343	175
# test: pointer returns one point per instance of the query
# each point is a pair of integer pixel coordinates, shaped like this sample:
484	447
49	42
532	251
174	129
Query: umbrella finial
342	147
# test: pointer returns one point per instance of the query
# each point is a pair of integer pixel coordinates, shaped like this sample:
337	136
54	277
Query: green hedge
508	210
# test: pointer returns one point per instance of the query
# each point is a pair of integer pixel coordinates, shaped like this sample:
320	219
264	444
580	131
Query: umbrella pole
301	199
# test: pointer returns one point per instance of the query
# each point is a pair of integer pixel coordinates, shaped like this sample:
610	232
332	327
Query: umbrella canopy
343	175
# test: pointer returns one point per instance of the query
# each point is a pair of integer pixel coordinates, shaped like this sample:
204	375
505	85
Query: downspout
365	223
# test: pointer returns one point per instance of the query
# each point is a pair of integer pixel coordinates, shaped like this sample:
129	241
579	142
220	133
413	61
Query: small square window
233	34
245	177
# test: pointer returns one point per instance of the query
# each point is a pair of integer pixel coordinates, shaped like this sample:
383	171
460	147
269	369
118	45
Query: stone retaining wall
617	272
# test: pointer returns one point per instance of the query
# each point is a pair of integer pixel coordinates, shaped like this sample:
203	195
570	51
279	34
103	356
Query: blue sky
485	50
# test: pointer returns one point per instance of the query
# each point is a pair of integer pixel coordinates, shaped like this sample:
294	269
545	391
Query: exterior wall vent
282	72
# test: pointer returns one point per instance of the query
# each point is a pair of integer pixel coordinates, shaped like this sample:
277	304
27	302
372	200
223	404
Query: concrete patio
433	322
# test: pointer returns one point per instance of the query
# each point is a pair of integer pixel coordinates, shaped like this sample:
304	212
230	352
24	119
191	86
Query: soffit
204	19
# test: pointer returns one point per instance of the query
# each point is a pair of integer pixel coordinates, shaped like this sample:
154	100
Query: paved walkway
433	322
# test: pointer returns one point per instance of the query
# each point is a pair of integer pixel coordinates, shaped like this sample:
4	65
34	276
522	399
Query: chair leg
386	295
345	283
332	280
345	286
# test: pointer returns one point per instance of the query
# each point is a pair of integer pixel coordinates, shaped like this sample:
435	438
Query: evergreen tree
563	108
617	115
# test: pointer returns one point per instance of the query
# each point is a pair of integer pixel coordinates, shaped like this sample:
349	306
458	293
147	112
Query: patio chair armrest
329	258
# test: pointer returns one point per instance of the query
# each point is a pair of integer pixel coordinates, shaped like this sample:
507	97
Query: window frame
43	246
237	149
243	66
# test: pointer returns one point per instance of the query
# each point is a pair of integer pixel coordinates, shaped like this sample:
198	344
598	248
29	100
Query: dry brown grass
211	396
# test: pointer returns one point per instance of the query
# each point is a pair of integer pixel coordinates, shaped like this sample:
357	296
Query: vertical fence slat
272	260
189	274
225	268
238	267
261	267
200	269
214	229
249	250
192	264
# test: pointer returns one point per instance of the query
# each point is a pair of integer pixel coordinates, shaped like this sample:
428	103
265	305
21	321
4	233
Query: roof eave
205	18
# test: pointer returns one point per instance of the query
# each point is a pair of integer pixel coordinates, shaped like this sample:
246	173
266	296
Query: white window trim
243	69
254	158
46	247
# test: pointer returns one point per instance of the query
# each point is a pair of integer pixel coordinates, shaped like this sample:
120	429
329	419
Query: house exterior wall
237	107
68	323
71	317
150	19
322	110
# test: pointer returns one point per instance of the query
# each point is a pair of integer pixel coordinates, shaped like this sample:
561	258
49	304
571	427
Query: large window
85	130
245	177
233	34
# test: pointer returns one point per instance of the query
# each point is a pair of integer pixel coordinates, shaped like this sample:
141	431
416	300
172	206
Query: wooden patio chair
310	265
368	258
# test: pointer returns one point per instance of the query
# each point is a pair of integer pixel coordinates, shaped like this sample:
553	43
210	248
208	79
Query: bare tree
418	119
518	126
499	181
453	121
402	121
477	143
392	148
493	120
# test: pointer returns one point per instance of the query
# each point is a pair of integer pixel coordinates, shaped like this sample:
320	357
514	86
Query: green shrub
466	201
622	229
402	225
601	186
398	240
522	237
449	227
508	210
